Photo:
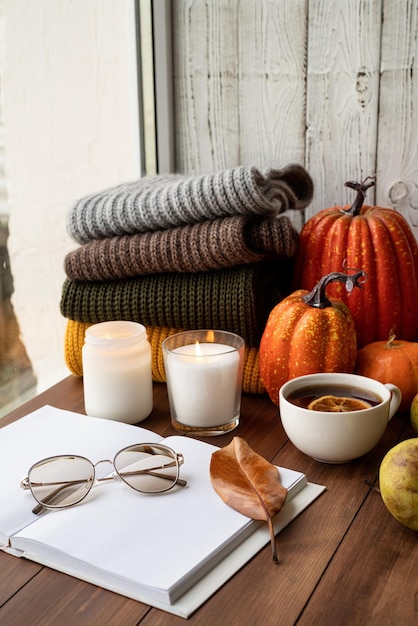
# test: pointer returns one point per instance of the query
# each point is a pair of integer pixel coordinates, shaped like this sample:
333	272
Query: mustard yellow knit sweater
74	341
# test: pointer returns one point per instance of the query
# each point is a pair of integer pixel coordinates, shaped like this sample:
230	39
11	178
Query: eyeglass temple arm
151	470
39	508
179	481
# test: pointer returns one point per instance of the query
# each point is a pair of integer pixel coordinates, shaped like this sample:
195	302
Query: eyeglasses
62	481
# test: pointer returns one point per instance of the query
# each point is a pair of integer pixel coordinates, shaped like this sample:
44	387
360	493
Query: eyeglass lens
61	481
147	468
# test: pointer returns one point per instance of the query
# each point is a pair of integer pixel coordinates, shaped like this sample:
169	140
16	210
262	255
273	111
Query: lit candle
204	385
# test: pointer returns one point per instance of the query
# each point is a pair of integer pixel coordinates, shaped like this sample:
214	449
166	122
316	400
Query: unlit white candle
203	383
122	392
117	372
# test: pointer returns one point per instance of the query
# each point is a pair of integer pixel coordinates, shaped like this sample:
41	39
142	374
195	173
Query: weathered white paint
236	80
397	154
71	117
330	84
342	96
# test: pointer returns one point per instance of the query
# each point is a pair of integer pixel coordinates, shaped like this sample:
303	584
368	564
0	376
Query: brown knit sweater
209	245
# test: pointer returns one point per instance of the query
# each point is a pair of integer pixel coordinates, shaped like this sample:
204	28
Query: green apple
398	479
414	413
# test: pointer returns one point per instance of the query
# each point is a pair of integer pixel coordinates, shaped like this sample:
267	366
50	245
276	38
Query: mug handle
395	399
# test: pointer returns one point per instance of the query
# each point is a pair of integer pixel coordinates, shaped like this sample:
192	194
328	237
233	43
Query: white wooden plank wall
330	84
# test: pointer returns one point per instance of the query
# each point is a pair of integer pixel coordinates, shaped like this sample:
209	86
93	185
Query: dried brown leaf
248	483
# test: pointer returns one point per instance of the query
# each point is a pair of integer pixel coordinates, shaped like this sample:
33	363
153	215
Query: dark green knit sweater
237	299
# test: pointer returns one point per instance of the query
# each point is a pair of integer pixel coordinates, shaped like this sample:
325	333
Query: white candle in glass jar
117	372
204	383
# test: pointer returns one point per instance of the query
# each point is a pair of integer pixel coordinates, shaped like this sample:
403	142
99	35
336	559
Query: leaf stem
272	540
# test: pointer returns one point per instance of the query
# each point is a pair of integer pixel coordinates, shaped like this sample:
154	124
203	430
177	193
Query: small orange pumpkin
308	333
393	361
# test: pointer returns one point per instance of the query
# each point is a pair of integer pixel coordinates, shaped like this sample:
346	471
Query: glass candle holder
117	372
204	377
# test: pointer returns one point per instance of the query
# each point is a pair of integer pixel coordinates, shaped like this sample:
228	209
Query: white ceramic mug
337	437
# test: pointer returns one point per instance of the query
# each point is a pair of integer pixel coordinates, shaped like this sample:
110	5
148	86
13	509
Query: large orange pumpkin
393	361
378	240
308	333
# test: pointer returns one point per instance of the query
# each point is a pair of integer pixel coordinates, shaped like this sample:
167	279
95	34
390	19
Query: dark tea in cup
334	398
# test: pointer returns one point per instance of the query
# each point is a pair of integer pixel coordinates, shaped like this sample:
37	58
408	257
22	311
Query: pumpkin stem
391	340
317	297
361	189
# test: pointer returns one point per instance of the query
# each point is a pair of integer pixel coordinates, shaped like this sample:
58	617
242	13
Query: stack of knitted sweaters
176	253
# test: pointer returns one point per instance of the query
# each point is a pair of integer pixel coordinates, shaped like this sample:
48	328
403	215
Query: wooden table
345	560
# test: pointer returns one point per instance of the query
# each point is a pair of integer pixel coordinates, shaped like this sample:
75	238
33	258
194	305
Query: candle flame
210	337
198	349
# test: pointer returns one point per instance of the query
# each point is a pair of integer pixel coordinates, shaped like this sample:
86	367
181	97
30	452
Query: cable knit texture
237	299
74	341
163	202
212	244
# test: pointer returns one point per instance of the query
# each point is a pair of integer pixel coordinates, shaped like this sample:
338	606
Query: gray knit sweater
162	202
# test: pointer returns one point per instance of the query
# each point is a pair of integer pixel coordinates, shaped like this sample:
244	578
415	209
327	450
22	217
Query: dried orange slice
337	404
